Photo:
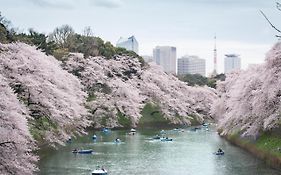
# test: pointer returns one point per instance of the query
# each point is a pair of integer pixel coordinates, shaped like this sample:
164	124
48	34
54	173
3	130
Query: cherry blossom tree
16	143
122	85
249	100
52	95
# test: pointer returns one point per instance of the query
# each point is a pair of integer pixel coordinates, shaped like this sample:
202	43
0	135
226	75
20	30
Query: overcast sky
190	25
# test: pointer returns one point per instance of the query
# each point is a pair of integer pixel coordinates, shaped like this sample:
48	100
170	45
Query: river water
190	153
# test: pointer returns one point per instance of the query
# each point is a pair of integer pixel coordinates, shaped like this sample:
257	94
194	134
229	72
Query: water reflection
190	153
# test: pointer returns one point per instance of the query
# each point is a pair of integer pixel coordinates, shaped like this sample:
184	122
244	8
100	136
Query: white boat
99	172
133	130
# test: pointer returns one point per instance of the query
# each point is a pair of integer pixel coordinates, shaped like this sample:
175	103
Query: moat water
190	153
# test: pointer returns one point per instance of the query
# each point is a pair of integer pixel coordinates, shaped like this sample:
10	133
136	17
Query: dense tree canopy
250	100
16	143
45	89
122	85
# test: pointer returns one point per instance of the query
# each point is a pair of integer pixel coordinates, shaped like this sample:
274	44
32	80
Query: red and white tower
215	57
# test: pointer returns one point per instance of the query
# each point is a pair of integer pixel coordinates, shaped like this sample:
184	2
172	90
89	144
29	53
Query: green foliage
212	83
40	40
61	54
91	96
270	142
123	51
193	120
106	49
3	34
39	126
220	77
99	87
194	79
152	115
123	120
199	80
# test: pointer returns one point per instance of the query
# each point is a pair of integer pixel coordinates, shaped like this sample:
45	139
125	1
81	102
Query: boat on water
83	151
157	137
132	131
219	153
117	140
205	124
166	139
94	137
101	171
105	130
195	129
69	140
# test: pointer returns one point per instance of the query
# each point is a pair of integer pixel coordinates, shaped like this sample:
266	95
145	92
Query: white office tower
231	62
166	56
129	44
191	65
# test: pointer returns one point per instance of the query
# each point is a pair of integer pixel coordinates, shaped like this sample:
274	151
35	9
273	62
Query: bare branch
270	22
8	142
278	6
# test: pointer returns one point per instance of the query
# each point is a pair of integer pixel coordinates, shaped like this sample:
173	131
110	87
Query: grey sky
189	25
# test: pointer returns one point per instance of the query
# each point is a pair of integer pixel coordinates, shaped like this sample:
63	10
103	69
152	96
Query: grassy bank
265	147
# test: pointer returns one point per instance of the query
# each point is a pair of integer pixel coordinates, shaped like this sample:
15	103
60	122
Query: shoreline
269	157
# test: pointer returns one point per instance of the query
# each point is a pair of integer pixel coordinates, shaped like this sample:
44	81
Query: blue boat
105	130
85	151
205	124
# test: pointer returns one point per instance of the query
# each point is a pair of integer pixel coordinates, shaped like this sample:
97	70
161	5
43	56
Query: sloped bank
264	148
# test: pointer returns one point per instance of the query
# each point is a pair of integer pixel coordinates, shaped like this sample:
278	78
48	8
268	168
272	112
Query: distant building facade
147	58
231	62
130	43
166	56
191	65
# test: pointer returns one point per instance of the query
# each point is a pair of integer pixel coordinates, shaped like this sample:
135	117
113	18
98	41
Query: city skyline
191	64
188	25
166	56
130	44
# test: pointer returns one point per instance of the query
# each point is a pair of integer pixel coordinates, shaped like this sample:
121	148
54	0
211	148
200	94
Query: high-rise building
191	65
128	43
232	62
166	56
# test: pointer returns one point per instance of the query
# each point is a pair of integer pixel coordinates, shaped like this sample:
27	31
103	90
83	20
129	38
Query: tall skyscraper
231	62
191	65
166	56
129	44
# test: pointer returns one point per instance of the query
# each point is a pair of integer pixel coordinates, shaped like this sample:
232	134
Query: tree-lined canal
190	153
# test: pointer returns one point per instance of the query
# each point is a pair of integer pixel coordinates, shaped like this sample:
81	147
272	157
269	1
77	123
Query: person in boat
75	150
117	140
220	150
